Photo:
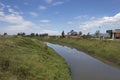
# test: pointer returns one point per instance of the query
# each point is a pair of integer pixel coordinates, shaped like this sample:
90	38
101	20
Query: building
114	34
73	34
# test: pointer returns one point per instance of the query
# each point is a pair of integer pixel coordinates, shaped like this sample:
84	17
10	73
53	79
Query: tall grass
30	59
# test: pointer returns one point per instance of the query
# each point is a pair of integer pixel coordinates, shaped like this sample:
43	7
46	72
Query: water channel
85	67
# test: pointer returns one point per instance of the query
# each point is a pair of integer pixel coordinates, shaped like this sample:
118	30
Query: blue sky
54	16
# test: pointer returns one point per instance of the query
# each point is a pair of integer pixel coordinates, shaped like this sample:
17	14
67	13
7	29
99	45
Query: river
85	67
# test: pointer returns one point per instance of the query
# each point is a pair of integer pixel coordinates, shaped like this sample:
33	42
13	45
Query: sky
54	16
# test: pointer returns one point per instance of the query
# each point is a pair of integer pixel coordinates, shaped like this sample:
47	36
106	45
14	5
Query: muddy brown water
85	67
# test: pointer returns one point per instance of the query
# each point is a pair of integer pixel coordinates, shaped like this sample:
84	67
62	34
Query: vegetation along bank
30	59
106	50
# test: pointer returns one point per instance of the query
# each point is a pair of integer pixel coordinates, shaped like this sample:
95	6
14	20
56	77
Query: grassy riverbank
30	59
105	50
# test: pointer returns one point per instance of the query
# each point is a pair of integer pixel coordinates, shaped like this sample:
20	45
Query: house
114	34
73	34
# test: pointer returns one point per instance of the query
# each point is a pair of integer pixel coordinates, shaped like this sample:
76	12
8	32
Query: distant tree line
4	34
80	34
32	34
71	33
21	34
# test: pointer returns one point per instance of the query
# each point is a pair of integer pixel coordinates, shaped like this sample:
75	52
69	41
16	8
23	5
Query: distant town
110	34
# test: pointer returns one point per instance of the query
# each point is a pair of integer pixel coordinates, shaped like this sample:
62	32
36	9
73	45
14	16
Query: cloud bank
113	21
13	22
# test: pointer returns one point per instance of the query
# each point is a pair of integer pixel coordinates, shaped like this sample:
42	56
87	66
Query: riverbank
85	67
30	59
105	50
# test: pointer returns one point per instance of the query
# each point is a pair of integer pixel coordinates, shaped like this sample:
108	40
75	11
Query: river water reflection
85	67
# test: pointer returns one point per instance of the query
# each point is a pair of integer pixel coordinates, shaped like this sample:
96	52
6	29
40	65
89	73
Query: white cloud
34	14
48	1
93	18
81	17
11	18
44	25
113	21
42	7
14	21
69	22
78	17
51	32
57	3
1	14
2	6
16	7
11	11
44	21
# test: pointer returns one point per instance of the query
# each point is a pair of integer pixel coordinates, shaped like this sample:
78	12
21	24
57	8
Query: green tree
72	32
5	34
63	34
80	33
32	34
97	33
23	34
18	34
36	34
88	34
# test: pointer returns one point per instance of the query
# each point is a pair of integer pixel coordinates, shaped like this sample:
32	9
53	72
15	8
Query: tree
63	34
23	34
97	33
32	34
88	34
36	34
18	34
72	32
80	33
5	34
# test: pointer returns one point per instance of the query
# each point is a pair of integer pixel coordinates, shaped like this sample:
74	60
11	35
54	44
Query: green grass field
30	59
105	50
